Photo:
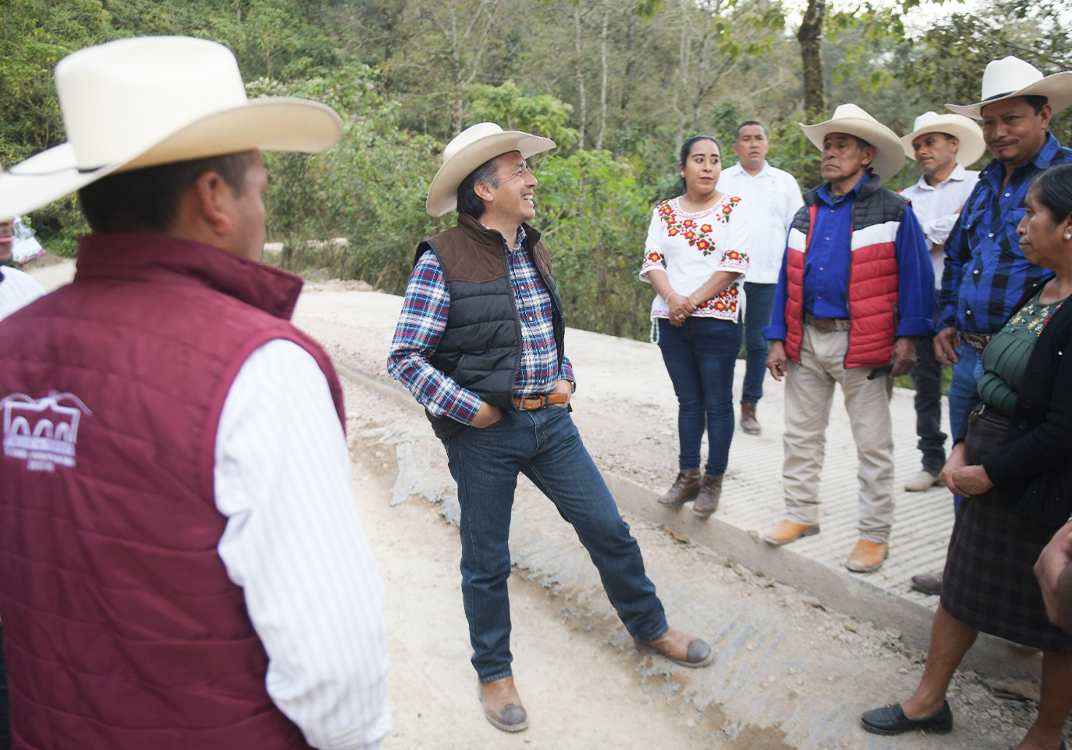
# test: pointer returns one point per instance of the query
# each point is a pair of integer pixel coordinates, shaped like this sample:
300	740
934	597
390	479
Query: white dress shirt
295	544
17	289
773	197
938	208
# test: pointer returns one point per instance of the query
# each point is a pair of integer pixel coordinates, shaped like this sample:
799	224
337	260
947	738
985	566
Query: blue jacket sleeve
915	285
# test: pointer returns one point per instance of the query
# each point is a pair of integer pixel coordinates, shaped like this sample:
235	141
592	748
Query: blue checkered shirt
985	274
424	318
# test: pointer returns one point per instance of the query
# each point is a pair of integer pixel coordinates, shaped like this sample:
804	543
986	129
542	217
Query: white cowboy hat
960	127
1010	77
467	151
848	118
146	101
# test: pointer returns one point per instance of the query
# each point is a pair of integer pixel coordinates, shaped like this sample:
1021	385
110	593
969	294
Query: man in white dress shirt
181	558
17	289
773	197
942	145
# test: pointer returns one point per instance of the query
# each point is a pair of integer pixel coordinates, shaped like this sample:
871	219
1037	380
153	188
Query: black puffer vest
481	347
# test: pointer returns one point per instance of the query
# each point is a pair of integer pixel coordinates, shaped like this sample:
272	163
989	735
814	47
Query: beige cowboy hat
1011	77
467	151
969	134
145	101
848	118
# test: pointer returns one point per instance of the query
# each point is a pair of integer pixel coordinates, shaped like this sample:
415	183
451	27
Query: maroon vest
121	627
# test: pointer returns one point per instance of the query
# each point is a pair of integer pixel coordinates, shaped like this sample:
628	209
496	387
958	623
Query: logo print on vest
42	432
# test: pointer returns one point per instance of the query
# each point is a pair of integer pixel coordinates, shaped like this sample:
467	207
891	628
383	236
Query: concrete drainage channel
799	654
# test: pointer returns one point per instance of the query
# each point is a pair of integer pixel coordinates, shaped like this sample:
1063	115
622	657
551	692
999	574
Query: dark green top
1005	359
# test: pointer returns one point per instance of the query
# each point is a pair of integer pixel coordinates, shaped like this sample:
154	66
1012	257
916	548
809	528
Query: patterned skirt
988	582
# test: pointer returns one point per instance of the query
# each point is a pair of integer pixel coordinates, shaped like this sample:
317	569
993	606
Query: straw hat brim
971	148
889	156
1057	89
443	192
269	124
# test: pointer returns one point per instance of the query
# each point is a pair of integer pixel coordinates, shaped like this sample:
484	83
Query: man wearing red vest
181	560
853	295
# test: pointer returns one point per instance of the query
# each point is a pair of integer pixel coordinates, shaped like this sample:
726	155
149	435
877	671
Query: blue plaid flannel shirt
985	272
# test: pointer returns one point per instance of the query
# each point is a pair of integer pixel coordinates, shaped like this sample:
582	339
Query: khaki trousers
809	391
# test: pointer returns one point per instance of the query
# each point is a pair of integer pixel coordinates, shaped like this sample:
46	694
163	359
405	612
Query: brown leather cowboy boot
684	489
749	423
707	498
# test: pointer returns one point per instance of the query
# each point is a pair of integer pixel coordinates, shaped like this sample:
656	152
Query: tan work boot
749	423
502	705
787	531
707	498
680	648
684	489
867	557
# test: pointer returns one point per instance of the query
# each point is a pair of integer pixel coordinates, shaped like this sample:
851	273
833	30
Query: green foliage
594	216
542	114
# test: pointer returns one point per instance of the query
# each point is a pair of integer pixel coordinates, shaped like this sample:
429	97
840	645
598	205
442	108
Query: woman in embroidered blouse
695	259
1012	464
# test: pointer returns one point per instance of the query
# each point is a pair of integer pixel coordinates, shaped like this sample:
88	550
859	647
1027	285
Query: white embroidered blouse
690	247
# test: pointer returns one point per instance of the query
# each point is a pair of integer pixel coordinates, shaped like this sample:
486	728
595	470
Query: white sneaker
922	482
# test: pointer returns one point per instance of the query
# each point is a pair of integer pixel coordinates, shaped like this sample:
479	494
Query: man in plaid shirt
479	343
985	273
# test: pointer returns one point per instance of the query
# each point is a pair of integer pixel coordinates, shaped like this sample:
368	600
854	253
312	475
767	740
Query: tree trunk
603	83
582	101
810	38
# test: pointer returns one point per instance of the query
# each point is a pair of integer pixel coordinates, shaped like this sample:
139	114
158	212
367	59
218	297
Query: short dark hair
1053	189
468	201
148	199
745	124
1036	102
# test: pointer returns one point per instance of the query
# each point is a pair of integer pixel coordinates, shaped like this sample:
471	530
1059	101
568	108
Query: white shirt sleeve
17	289
295	544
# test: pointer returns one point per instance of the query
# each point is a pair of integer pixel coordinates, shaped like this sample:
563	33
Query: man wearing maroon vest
853	295
181	560
480	344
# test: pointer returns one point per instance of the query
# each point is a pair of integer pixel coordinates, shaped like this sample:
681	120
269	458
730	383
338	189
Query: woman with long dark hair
695	259
1013	467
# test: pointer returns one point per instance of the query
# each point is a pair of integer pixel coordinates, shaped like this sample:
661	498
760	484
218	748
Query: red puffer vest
873	276
121	627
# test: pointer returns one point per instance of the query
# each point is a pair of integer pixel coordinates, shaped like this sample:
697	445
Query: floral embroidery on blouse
1032	317
696	233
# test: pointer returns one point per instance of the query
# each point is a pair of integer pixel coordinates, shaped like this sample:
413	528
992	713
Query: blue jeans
545	446
966	373
760	303
700	356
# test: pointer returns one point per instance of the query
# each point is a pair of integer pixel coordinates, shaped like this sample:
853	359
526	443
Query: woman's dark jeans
700	356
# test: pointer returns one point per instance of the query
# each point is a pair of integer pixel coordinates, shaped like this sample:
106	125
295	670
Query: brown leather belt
977	341
538	402
827	325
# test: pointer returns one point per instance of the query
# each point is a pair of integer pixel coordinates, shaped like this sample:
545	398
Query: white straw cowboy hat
1010	77
146	101
467	151
969	134
848	118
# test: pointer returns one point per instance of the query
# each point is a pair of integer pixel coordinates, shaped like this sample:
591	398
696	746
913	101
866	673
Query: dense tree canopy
619	84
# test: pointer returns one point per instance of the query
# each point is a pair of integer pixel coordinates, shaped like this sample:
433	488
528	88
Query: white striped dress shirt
295	544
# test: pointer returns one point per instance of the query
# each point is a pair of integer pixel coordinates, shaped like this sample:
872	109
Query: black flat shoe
891	720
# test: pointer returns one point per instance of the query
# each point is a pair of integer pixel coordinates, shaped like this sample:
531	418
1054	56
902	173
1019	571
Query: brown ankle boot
707	499
684	488
749	423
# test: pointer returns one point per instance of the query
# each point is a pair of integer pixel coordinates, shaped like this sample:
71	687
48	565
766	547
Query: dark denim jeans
544	446
700	356
760	303
927	378
962	390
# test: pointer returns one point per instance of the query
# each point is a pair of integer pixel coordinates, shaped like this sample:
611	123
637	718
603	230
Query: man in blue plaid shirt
479	343
985	274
